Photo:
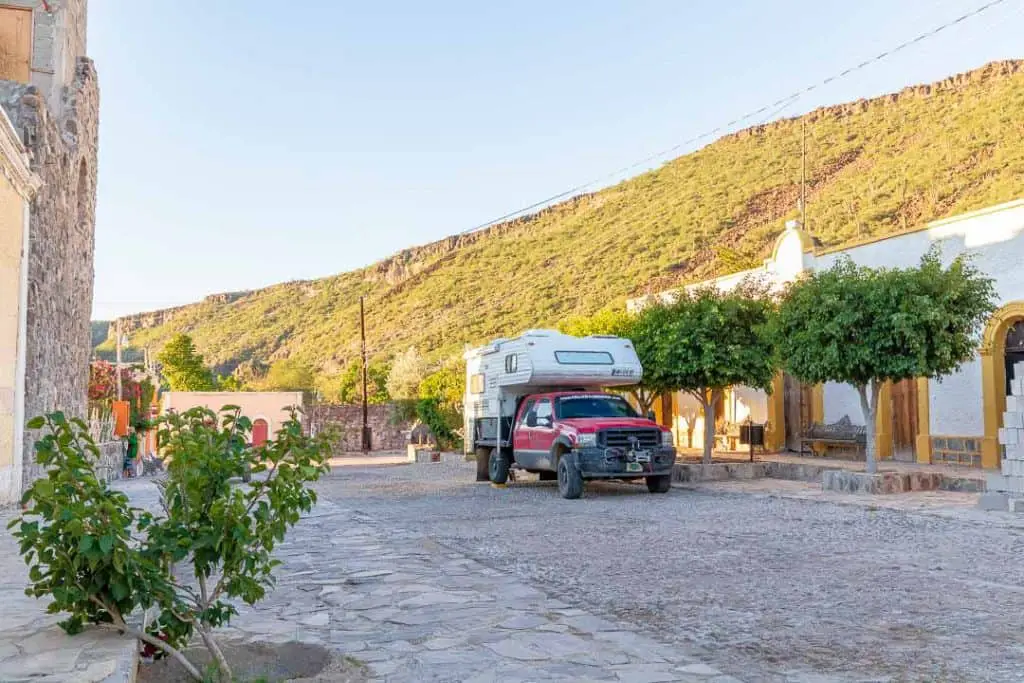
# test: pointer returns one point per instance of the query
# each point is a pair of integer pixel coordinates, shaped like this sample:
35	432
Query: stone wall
348	419
62	224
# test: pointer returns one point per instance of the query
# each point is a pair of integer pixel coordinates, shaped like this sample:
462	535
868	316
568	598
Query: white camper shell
538	361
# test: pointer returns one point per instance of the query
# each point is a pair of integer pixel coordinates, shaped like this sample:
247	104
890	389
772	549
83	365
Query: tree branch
161	645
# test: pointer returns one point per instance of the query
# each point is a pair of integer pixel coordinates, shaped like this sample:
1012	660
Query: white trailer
499	374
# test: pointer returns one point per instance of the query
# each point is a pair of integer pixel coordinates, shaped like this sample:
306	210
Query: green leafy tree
864	326
350	386
99	560
447	386
407	371
708	340
621	323
289	374
228	383
183	366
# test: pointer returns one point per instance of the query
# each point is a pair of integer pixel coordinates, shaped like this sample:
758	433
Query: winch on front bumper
616	463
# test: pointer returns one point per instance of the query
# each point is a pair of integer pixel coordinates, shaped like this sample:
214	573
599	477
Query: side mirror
531	420
651	416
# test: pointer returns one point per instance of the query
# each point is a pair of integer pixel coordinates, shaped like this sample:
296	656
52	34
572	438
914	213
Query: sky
249	142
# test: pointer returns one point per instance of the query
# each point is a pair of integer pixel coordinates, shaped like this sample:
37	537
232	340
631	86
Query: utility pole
803	173
118	369
362	337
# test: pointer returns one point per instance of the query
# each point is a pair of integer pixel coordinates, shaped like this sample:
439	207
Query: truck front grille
624	438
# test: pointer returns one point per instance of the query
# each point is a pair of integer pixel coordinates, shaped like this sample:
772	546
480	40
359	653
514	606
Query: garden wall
348	419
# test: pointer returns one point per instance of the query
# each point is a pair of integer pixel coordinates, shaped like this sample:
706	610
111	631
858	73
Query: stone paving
415	611
32	646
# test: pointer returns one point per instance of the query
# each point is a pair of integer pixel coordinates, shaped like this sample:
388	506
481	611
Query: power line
781	103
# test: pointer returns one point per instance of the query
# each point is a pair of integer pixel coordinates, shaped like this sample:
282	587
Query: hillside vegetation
875	167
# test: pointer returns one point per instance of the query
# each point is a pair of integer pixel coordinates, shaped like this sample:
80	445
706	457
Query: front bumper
619	463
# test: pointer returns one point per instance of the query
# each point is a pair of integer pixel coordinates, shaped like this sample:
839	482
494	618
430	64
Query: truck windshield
572	407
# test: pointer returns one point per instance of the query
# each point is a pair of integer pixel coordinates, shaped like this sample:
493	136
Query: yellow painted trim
993	378
806	241
883	423
818	403
498	486
775	437
923	445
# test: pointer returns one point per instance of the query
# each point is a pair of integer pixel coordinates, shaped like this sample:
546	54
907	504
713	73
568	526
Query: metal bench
840	433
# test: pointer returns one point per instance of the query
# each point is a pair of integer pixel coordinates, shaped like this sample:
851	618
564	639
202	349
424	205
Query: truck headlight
666	439
586	440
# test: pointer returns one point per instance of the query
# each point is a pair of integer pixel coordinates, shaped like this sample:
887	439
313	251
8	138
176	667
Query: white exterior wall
994	239
955	402
842	400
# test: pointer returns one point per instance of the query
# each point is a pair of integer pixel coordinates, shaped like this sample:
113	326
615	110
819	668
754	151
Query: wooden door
904	419
796	411
15	44
260	433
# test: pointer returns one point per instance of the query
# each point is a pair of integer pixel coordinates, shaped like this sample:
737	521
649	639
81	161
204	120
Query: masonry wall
60	276
348	420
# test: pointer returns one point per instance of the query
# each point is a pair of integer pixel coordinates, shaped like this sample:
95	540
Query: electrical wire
782	103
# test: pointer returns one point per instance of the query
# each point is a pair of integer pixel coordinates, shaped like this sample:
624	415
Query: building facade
49	93
268	410
953	420
17	187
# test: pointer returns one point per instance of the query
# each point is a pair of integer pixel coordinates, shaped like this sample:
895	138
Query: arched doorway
260	432
1002	345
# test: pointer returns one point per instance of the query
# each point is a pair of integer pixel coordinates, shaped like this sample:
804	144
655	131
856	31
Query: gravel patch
767	588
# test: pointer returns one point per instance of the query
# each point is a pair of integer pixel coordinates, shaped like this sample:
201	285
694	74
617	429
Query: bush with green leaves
100	560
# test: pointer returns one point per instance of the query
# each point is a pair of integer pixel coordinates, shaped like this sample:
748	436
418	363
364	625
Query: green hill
874	167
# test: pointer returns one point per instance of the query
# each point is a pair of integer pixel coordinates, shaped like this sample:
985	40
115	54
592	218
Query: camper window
584	358
511	363
476	384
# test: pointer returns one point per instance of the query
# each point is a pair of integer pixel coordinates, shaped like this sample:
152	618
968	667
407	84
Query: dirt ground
262	663
768	586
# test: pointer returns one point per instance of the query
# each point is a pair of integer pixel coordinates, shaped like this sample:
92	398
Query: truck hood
592	424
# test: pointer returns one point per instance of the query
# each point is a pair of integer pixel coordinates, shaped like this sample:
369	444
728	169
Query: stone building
49	92
954	421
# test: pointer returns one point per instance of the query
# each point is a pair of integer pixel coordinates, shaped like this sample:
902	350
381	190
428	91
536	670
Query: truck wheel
544	475
570	481
483	456
660	484
498	466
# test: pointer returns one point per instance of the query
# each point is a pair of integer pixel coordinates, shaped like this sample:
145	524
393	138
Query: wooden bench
840	433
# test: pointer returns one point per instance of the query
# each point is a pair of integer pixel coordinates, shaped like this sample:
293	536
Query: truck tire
498	466
545	475
570	481
660	484
483	456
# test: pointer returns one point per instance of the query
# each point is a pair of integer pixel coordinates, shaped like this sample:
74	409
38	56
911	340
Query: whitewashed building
955	420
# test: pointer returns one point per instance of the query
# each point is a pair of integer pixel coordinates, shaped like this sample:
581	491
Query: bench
841	433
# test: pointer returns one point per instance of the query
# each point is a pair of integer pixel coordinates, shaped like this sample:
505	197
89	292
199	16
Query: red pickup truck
579	435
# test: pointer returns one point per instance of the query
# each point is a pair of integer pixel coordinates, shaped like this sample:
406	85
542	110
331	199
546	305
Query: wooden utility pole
803	173
362	337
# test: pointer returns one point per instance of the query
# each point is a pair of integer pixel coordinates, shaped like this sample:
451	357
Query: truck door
521	433
542	437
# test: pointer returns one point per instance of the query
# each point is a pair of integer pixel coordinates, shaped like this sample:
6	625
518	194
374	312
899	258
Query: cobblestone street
790	586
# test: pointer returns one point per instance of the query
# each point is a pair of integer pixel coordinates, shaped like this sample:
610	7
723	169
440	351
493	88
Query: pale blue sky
248	142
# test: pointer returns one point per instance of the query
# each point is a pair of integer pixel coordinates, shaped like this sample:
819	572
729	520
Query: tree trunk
708	402
869	405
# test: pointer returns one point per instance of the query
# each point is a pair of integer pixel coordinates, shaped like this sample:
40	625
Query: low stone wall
827	475
108	468
385	435
880	482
